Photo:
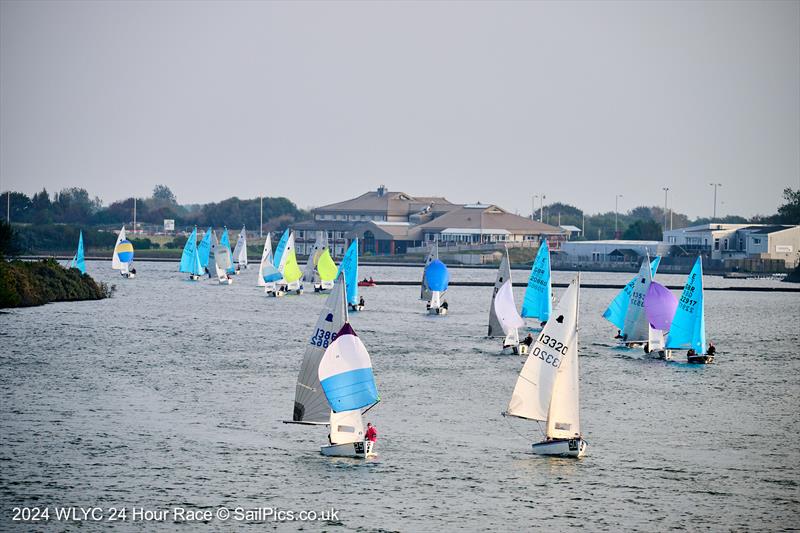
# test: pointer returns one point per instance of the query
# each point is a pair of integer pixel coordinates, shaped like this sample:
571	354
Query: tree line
74	205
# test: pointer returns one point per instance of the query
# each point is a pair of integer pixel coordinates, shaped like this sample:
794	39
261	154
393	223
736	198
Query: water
172	394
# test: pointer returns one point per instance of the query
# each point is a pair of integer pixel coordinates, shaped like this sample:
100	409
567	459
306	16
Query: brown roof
489	217
391	203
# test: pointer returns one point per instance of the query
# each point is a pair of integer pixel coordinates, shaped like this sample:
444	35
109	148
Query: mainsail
503	275
688	328
424	290
278	260
618	308
240	251
349	266
267	273
222	257
204	248
78	259
547	387
310	403
123	253
190	260
225	242
538	302
636	327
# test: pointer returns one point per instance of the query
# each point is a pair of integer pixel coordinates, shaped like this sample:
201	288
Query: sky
475	101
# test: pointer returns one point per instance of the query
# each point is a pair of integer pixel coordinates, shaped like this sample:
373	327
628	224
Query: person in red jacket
372	433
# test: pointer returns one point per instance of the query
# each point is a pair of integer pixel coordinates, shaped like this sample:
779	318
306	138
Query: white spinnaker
222	257
424	291
436	299
636	325
505	309
534	391
503	275
346	426
266	258
311	265
656	339
310	403
240	250
116	264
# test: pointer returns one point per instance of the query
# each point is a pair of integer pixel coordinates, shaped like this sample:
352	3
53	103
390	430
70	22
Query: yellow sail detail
291	272
326	267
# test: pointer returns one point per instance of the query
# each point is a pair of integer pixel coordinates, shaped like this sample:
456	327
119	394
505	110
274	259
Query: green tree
643	230
789	213
162	195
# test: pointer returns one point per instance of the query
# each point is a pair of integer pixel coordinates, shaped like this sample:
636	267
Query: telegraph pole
261	226
616	216
666	190
715	185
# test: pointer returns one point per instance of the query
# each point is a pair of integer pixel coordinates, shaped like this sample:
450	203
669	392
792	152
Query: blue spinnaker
204	249
538	301
688	329
276	260
349	266
437	276
618	307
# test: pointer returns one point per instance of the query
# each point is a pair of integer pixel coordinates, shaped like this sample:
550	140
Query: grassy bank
28	283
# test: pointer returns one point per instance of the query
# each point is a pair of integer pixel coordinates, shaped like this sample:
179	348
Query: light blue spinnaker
349	266
190	260
437	276
538	301
345	373
688	329
204	248
276	261
226	242
618	307
78	260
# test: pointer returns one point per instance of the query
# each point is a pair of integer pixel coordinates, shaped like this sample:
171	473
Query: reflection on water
174	393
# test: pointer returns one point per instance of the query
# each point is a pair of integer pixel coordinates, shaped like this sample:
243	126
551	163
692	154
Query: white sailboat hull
358	450
129	275
437	311
324	286
194	277
561	447
356	307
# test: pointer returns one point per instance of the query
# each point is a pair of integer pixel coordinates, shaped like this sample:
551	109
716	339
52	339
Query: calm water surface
172	393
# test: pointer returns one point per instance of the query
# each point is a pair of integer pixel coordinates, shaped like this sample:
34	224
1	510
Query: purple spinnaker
660	305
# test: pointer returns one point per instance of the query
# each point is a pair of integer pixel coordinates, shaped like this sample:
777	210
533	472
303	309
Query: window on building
716	244
725	244
756	240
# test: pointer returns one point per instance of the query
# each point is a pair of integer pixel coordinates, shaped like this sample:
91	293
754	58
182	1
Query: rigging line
515	430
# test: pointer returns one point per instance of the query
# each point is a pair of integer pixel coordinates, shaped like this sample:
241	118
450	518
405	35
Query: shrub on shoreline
29	283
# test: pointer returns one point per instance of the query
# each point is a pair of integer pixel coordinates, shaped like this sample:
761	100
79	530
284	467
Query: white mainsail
116	264
310	272
503	275
424	291
637	328
547	387
222	257
266	260
310	403
240	250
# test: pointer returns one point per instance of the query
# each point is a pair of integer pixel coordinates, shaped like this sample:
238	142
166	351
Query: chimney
381	190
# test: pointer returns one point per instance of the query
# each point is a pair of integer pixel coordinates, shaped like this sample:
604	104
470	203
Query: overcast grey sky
474	101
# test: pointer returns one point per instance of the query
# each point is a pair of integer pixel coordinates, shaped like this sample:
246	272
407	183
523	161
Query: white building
613	250
738	241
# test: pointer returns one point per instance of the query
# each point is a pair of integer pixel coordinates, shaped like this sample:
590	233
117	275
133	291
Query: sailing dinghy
320	271
510	321
190	259
222	260
225	242
425	290
292	275
538	302
78	260
437	277
268	275
204	251
275	287
547	387
503	275
336	381
688	328
240	251
349	267
122	259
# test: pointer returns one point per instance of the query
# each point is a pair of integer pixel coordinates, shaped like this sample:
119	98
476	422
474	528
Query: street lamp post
715	185
533	206
666	190
261	226
541	209
616	216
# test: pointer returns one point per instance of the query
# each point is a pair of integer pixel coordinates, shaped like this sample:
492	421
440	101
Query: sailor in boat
444	305
527	341
618	335
372	434
370	280
711	349
543	323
